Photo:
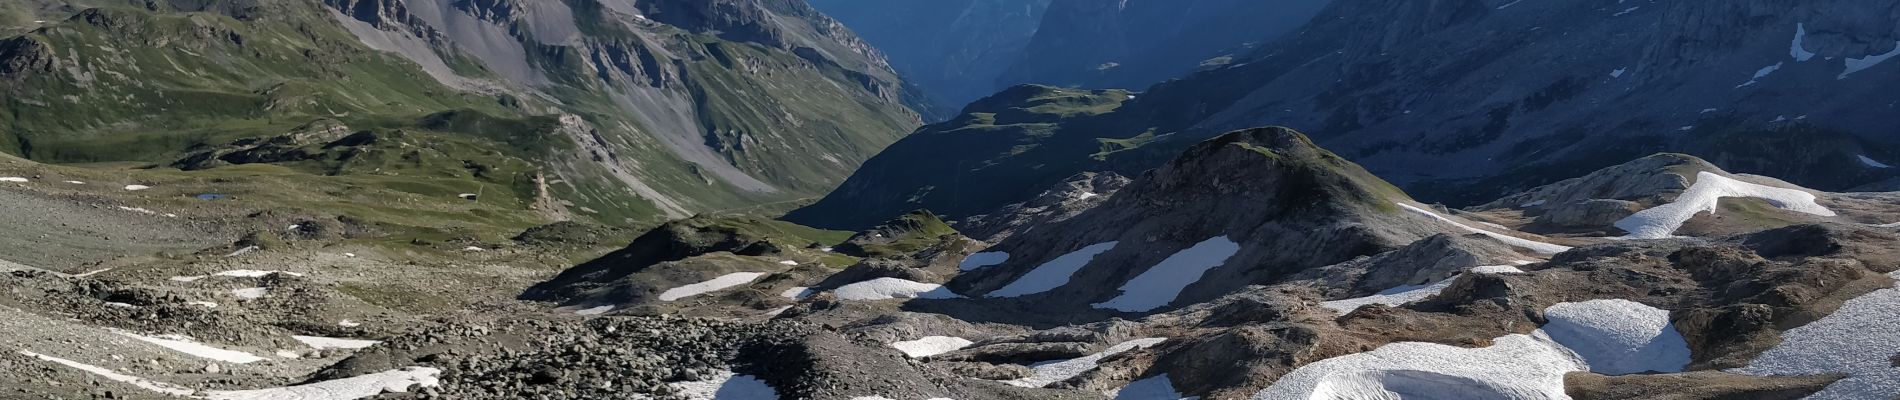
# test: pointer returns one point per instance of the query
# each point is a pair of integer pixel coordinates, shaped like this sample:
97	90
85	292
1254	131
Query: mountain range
1514	94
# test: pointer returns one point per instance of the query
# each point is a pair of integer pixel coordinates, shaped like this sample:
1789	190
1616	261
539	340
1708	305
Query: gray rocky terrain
1326	268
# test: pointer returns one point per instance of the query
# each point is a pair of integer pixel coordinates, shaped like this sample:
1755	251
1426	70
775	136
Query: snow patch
722	282
136	187
243	251
1704	196
1617	337
931	345
396	381
1052	274
1764	72
250	293
205	304
724	385
893	288
1163	282
1532	245
796	293
1045	373
787	262
109	374
325	343
1799	48
1863	63
187	345
1391	297
348	324
1618	73
595	310
1496	269
1153	388
984	259
1873	163
13	179
1859	340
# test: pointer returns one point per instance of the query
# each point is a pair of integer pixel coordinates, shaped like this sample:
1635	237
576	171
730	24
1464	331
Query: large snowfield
1860	340
1514	367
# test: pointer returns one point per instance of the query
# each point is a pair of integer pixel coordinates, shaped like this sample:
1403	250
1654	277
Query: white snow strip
724	385
1045	373
76	182
251	273
1532	245
109	374
348	324
1704	196
120	305
720	283
239	252
1618	73
13	179
187	278
776	311
1052	274
396	381
1155	387
788	262
1873	163
1496	269
796	293
288	354
187	345
1860	340
137	187
1618	337
474	248
1391	297
325	343
595	310
1863	63
1163	282
205	304
1799	49
89	273
980	260
931	345
1513	367
140	210
893	288
250	293
1764	72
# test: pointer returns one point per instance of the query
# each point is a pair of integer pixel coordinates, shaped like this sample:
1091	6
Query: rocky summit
1132	200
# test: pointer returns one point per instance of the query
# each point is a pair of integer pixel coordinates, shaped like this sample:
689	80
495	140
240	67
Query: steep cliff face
954	50
674	107
1514	95
1133	44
